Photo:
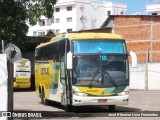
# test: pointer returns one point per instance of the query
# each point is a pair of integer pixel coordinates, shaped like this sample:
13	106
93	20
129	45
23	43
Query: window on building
57	9
34	33
69	19
41	22
154	14
47	31
16	1
108	12
69	8
49	21
52	20
57	20
57	30
69	30
40	33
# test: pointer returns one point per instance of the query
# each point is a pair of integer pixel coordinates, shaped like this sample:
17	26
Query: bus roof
81	36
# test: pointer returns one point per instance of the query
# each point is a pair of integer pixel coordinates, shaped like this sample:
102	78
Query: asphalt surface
142	105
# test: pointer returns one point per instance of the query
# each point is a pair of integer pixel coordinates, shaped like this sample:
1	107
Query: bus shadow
103	109
94	109
22	90
54	104
82	112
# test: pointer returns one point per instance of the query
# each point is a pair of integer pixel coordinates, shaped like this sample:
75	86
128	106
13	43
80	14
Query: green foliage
13	17
36	8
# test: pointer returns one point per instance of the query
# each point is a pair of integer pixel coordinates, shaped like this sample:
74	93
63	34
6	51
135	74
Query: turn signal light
14	79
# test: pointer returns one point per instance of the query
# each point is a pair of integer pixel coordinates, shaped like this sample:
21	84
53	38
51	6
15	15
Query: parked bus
22	73
79	69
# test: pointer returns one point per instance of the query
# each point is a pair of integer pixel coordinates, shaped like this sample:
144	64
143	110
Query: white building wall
39	28
153	9
63	25
86	14
83	13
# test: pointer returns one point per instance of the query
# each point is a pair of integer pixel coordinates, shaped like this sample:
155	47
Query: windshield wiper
95	74
110	79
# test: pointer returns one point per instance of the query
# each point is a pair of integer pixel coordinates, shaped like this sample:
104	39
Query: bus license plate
102	100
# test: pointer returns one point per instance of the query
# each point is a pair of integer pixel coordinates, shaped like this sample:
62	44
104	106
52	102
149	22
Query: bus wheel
43	100
68	108
112	107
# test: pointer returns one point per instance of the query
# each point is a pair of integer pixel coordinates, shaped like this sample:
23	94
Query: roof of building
113	16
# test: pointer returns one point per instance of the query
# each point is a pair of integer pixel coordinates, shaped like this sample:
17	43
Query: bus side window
41	54
62	73
62	49
57	52
52	52
36	54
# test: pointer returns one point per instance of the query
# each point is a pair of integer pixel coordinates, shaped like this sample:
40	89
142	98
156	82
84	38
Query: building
153	9
41	28
141	32
75	15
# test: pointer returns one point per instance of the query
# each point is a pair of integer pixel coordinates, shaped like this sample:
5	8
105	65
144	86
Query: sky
135	6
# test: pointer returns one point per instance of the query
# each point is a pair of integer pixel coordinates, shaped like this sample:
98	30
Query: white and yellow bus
22	73
79	69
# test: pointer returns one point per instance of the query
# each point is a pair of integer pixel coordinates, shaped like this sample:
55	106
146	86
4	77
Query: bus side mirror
133	58
69	60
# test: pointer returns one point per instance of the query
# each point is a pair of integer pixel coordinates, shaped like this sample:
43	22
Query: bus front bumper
109	100
21	84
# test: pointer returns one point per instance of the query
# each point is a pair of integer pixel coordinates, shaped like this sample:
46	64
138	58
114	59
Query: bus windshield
100	70
100	63
99	46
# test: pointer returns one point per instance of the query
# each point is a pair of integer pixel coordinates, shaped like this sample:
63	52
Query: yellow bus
79	69
22	73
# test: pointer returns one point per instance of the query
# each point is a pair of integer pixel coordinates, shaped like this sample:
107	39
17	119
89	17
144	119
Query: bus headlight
123	93
77	93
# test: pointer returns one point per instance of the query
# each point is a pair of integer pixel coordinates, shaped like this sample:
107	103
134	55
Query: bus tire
44	101
112	107
68	108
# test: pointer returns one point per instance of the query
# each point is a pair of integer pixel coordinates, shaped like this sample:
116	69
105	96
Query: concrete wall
3	83
137	77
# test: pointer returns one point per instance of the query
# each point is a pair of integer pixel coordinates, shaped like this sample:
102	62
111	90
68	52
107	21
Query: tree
36	8
15	13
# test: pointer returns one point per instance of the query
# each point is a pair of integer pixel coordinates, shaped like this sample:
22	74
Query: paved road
139	101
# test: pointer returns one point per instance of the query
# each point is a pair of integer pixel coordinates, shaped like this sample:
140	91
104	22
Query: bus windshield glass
99	46
105	68
95	70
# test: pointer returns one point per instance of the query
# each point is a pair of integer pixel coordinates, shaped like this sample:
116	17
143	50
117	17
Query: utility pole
146	70
151	39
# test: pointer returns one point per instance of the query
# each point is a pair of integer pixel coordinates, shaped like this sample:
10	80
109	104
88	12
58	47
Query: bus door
65	76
